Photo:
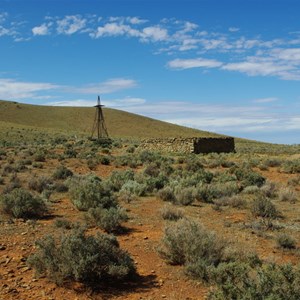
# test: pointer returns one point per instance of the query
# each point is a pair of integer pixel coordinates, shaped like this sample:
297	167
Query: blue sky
227	66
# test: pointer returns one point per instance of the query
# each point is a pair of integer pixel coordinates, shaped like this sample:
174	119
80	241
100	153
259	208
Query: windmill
99	124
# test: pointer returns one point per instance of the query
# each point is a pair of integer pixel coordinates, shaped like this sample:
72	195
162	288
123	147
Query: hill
80	120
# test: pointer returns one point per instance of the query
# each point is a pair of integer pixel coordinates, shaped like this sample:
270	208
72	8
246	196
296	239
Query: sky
226	66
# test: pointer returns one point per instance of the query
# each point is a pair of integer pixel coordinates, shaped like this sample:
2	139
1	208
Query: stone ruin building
195	145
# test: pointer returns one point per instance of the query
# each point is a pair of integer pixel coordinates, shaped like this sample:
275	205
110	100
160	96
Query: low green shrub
248	177
89	192
185	196
118	178
186	242
91	260
263	207
288	195
285	241
166	194
39	156
209	192
291	166
63	223
270	281
171	213
134	187
107	219
40	183
20	203
104	160
62	172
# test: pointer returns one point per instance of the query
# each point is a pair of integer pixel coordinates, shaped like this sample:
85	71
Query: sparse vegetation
20	203
76	258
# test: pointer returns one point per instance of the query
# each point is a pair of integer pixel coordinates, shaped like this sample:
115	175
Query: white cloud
193	63
41	30
154	33
114	29
136	20
116	103
290	54
3	16
233	29
265	100
70	24
11	89
253	68
109	86
75	103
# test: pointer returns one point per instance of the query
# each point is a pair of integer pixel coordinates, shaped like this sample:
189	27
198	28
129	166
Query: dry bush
91	260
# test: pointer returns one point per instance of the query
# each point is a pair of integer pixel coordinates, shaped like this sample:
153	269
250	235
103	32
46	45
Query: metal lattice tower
99	124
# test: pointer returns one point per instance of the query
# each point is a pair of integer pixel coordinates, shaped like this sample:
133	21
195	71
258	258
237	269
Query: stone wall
189	145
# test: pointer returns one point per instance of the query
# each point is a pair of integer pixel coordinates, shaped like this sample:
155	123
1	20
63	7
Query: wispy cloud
70	24
265	100
11	89
233	29
114	103
193	63
108	86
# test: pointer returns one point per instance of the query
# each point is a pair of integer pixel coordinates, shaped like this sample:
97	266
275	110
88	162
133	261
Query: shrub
126	196
134	188
287	194
62	172
171	213
14	183
208	192
91	260
239	281
186	242
166	194
118	178
285	241
104	160
291	166
1	180
60	187
63	223
107	219
249	177
92	164
22	204
70	153
39	183
185	196
233	201
89	192
269	189
39	157
152	170
193	164
263	207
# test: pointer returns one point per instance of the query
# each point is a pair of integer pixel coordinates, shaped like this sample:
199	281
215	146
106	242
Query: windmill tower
99	124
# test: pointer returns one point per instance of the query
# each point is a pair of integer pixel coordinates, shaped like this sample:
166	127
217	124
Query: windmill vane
99	124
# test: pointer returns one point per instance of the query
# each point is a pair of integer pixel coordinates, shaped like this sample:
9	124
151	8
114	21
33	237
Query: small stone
145	238
2	247
163	296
